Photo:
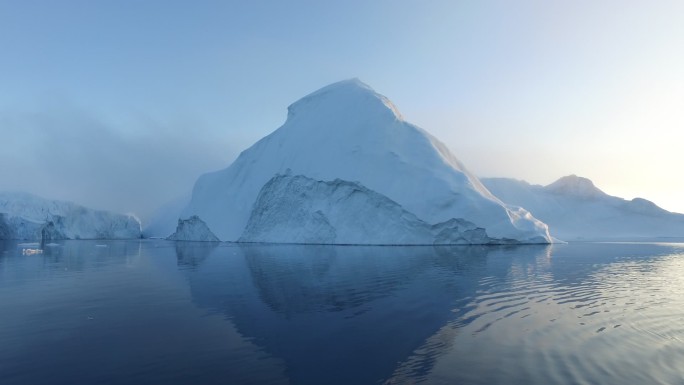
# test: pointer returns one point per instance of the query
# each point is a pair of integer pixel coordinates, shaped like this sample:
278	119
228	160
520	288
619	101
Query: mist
69	154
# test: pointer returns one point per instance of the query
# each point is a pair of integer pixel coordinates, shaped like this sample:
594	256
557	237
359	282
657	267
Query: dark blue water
155	312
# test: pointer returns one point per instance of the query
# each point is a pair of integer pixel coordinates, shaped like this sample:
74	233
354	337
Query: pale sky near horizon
123	104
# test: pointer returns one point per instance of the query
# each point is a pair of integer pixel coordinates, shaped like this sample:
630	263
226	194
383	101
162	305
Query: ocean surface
158	312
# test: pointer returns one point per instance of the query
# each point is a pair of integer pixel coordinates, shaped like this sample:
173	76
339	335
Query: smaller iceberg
193	229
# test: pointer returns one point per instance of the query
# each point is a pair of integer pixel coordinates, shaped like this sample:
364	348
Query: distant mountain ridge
574	208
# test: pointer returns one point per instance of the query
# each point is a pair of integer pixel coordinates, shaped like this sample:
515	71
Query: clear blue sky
122	104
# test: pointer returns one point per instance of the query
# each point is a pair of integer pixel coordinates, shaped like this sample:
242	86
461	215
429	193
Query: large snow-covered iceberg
348	131
574	208
297	209
26	216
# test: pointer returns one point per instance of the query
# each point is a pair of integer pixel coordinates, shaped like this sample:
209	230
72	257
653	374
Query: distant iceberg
575	208
26	216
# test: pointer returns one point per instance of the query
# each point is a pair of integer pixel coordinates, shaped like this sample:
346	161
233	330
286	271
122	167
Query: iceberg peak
345	98
575	186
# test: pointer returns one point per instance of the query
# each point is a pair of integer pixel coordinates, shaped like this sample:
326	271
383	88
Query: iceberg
575	208
192	229
26	216
349	132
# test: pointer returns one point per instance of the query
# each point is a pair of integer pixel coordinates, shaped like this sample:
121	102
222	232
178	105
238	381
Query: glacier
29	217
575	209
297	209
349	132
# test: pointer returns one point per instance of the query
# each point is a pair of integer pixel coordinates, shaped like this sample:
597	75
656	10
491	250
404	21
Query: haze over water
158	312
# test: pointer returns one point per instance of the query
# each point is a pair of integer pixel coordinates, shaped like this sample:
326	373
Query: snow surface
347	131
297	209
193	229
26	216
574	208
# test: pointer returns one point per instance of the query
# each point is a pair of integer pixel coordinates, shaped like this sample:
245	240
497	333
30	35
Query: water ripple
623	322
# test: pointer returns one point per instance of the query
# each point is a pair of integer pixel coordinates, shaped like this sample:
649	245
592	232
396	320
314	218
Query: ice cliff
349	132
25	216
297	209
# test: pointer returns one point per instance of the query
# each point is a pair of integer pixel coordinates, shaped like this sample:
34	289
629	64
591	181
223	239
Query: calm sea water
156	312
